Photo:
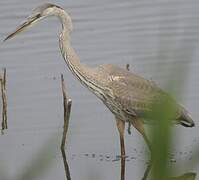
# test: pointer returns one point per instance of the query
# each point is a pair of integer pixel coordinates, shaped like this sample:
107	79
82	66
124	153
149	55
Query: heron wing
131	92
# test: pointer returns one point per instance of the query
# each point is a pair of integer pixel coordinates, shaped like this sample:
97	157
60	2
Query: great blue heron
127	95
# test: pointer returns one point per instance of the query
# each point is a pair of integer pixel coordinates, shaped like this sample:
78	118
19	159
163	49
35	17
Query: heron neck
86	75
68	53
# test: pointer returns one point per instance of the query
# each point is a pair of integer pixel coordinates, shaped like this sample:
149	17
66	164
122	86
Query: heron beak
23	26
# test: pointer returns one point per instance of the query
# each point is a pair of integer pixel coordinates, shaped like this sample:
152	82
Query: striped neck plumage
68	53
83	73
86	75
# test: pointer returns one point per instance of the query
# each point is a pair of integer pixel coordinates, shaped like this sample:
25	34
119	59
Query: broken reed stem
5	98
4	124
129	124
67	102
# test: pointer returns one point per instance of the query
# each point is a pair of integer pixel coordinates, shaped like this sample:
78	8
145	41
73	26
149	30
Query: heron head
37	14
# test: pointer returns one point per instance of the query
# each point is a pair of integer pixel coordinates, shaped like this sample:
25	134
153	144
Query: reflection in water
66	167
185	176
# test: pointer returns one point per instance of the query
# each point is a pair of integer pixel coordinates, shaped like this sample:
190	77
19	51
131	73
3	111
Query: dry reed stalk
67	102
129	124
3	81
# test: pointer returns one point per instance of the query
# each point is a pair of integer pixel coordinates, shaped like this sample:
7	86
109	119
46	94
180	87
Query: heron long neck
70	57
85	74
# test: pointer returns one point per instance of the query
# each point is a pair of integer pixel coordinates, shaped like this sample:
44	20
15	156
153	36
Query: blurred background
154	37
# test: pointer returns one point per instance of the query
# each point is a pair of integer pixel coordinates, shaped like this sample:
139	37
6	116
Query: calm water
140	33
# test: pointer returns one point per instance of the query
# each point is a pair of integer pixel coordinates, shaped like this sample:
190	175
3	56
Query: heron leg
147	171
121	128
138	124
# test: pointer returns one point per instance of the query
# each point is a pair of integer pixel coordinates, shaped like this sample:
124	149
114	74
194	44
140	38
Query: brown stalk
67	102
129	124
4	124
